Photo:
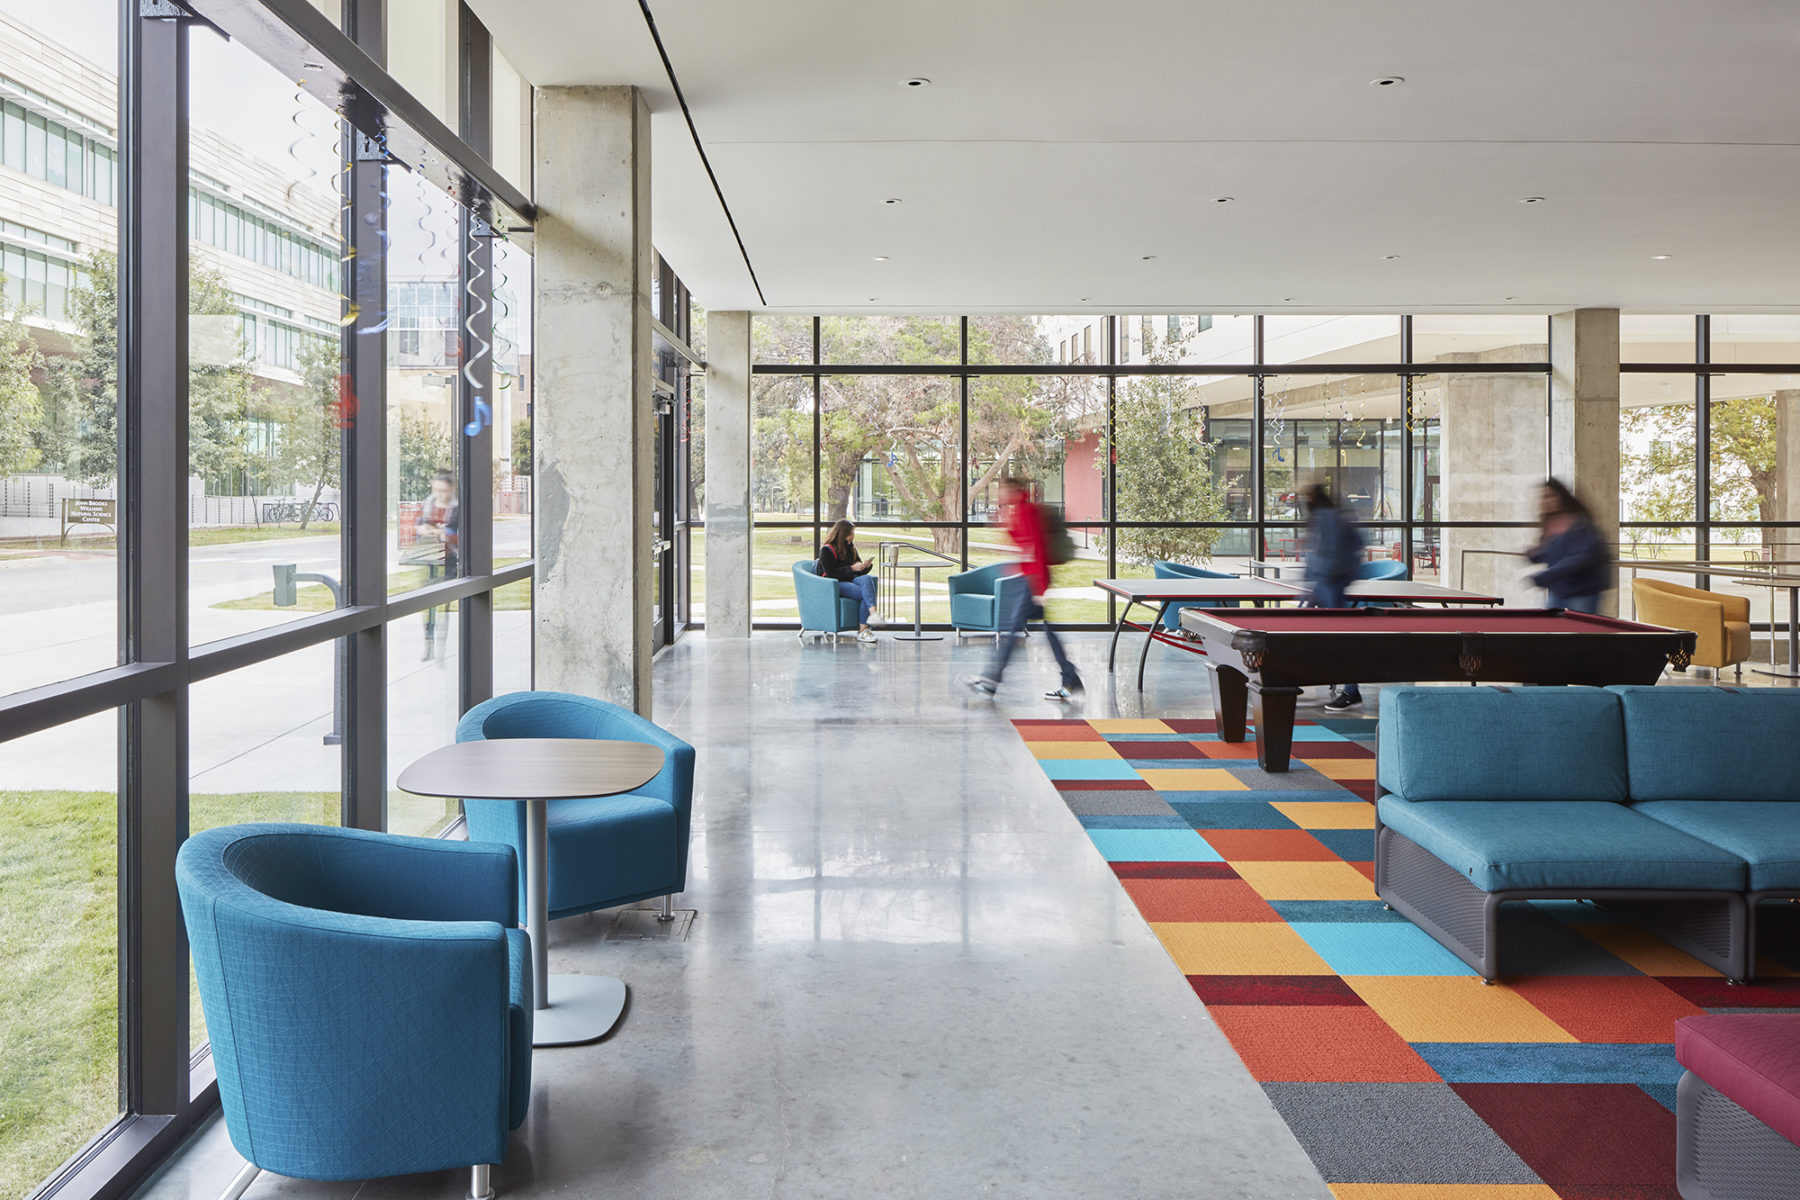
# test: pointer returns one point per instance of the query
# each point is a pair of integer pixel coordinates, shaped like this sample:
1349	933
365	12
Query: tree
21	410
521	446
310	448
81	435
909	426
1165	462
1657	464
425	449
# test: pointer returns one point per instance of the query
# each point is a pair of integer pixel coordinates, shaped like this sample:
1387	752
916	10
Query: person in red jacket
1025	525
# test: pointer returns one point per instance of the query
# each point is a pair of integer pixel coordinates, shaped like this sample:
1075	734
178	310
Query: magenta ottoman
1738	1107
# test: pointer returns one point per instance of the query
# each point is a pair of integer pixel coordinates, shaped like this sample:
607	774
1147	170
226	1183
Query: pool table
1266	655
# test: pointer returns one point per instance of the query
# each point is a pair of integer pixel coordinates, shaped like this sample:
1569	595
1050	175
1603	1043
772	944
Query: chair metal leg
242	1180
668	909
480	1187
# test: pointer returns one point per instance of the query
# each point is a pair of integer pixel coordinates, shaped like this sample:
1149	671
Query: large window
1709	452
1161	436
272	600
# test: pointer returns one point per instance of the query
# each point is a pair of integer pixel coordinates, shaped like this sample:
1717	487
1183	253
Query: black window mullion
1702	443
964	466
475	382
154	456
364	279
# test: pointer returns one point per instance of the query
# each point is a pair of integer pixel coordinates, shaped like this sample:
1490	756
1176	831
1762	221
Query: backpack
1059	547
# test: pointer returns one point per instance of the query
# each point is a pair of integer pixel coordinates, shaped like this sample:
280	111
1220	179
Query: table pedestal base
918	637
583	1008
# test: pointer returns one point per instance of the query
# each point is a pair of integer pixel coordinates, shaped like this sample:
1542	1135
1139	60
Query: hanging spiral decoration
483	414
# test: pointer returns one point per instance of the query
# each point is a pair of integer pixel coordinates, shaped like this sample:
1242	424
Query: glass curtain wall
1709	448
261	548
1167	436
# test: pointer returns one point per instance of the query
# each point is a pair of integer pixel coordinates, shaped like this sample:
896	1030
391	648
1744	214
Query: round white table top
532	769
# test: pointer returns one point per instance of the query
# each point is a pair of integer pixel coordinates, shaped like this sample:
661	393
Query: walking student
1578	564
1334	554
838	560
1029	525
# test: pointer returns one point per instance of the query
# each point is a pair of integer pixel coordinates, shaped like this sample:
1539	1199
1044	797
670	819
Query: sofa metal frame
1723	1152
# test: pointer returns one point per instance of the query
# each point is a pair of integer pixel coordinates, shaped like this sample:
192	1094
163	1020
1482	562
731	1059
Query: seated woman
837	560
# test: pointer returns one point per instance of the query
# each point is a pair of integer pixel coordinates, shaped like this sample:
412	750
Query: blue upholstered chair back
822	610
1381	568
359	996
1165	569
661	866
992	590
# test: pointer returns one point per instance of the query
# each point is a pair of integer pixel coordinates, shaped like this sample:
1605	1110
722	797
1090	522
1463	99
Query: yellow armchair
1720	622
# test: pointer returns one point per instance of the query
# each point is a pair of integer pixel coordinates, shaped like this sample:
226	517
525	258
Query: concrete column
1494	452
728	579
595	424
1584	413
1786	542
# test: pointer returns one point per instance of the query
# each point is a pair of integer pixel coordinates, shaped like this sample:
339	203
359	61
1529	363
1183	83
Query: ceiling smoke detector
1387	81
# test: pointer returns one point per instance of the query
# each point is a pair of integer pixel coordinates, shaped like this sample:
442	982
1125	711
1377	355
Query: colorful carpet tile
1398	1071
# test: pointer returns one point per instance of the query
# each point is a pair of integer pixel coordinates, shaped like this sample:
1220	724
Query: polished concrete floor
910	974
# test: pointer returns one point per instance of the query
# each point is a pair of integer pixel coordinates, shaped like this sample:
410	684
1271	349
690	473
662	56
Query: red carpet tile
1607	1008
1157	750
1582	1135
1173	870
1198	900
1339	1044
1295	990
1266	845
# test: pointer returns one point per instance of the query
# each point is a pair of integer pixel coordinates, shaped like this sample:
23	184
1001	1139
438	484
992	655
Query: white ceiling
1060	142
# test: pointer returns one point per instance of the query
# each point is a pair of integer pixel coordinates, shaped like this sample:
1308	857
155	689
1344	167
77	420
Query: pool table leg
1274	726
1229	697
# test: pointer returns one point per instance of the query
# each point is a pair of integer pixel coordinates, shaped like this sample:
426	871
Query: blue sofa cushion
519	1011
1463	743
971	610
1560	844
1689	743
1765	834
629	841
848	612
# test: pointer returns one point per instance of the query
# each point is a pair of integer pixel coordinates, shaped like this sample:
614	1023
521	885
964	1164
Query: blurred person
838	560
1578	563
1028	524
439	544
1334	555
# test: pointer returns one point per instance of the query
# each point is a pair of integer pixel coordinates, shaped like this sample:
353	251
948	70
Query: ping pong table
1259	592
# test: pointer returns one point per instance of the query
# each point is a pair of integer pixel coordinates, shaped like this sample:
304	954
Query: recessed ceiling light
1388	81
892	200
881	258
1084	299
1531	200
1287	299
1149	258
917	81
871	299
1389	257
1661	257
1512	297
1223	199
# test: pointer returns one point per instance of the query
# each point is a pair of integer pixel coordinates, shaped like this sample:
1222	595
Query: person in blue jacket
1577	562
1334	554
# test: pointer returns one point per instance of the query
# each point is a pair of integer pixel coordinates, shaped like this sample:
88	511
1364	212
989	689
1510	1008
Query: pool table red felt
1425	620
1265	656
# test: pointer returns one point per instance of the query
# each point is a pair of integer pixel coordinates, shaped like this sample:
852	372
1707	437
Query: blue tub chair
1381	568
823	612
1164	569
368	997
604	850
979	598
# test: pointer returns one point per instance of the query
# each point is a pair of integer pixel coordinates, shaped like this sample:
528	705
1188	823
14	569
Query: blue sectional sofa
1675	807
